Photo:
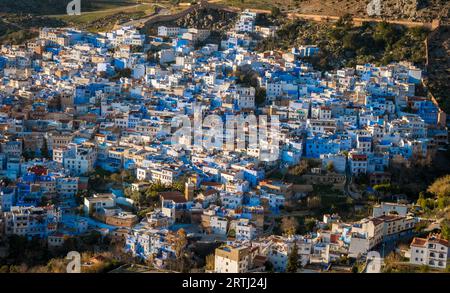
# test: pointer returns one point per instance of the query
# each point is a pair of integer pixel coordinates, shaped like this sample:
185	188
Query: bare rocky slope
439	66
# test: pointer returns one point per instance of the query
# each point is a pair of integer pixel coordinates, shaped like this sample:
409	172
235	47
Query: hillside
439	66
345	45
213	19
102	20
417	10
20	19
46	7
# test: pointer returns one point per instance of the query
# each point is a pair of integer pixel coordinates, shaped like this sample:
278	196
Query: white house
386	208
232	259
168	31
431	251
245	230
98	202
219	225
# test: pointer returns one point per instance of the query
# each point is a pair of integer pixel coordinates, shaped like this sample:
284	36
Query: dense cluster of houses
73	101
333	241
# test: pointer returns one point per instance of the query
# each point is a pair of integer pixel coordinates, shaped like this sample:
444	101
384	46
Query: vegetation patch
343	44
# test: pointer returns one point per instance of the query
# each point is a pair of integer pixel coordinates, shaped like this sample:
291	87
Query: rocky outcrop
419	10
205	18
438	67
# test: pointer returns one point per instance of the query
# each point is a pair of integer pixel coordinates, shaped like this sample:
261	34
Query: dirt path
141	21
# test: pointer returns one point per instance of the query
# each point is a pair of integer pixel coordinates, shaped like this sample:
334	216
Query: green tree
180	249
330	167
442	202
178	185
345	22
422	202
440	187
310	223
350	41
126	72
289	225
44	150
28	155
292	265
210	262
383	189
260	95
275	12
445	230
386	34
300	169
127	176
143	212
137	196
116	178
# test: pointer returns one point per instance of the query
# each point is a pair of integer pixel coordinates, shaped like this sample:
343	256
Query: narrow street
348	182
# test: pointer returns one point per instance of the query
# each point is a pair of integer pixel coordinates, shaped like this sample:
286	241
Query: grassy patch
343	44
46	7
20	18
105	20
253	4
